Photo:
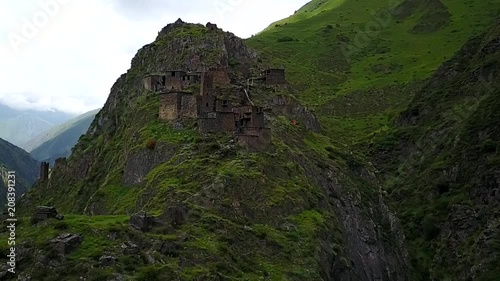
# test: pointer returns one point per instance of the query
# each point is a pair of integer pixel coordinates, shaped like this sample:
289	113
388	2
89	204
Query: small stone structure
154	82
43	213
215	112
274	76
44	171
270	77
177	104
211	26
62	161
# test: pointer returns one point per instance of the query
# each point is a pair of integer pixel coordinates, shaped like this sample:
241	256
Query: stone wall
226	121
207	104
223	106
220	78
214	122
258	119
169	104
207	83
44	171
208	124
275	76
188	106
173	82
254	139
150	82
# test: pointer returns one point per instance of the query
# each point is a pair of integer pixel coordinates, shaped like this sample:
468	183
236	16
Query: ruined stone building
250	127
172	80
274	76
44	171
177	104
270	77
214	111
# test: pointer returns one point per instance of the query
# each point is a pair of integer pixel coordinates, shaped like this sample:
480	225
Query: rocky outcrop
142	161
282	105
106	261
66	243
142	221
129	248
374	243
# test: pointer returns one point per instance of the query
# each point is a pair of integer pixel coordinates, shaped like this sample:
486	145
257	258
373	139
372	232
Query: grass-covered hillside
358	62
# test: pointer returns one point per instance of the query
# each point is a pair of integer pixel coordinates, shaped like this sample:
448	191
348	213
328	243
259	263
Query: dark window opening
173	74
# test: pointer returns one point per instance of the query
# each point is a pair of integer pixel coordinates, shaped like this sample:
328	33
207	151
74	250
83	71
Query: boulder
106	261
142	221
170	249
66	243
176	216
129	248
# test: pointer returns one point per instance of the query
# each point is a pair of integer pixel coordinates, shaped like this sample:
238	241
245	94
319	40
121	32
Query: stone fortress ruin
218	105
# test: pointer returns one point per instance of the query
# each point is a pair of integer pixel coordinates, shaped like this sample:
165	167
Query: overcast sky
66	54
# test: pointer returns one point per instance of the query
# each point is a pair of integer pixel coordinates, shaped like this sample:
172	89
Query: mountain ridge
59	141
15	159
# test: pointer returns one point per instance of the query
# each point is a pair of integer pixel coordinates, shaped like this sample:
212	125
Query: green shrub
61	225
284	39
429	227
151	144
443	187
489	146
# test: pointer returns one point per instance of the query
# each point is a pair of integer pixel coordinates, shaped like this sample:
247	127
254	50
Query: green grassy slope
342	50
59	141
441	166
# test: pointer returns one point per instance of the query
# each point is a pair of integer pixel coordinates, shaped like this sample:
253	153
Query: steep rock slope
59	141
12	158
441	165
301	210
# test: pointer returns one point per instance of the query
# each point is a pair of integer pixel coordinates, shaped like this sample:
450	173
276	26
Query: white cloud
72	51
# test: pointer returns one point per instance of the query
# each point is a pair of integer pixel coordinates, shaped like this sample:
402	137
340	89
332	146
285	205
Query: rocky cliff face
441	166
301	210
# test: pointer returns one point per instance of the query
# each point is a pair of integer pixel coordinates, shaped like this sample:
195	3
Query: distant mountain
20	126
54	117
59	140
13	158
